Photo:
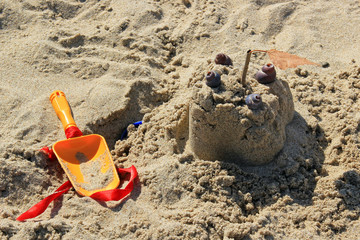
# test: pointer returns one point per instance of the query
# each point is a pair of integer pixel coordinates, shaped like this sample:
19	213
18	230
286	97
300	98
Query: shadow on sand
292	172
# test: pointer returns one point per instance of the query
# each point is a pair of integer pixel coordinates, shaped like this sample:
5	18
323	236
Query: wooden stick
246	66
259	51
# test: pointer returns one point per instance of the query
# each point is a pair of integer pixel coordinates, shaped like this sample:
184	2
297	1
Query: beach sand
119	62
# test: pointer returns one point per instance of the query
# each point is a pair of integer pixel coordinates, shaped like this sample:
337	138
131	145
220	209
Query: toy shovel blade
86	160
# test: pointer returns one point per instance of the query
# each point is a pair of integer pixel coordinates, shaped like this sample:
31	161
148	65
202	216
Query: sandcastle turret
224	126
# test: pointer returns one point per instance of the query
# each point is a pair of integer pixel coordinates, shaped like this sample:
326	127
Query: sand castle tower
223	127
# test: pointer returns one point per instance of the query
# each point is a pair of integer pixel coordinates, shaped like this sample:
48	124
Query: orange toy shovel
86	160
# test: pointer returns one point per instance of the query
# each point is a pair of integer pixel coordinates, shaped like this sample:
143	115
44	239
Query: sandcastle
222	127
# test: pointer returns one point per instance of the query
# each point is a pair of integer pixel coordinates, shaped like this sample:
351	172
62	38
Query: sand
119	62
96	172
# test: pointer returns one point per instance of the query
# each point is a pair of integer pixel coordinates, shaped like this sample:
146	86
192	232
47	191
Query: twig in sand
246	66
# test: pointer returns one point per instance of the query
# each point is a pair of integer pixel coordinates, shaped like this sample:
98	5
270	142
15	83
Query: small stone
325	64
302	73
187	3
175	76
249	207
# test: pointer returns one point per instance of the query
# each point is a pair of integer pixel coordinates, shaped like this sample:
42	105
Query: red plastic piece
118	194
108	195
41	206
49	152
73	131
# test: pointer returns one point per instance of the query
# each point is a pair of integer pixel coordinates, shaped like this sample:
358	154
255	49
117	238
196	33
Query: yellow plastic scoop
86	160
